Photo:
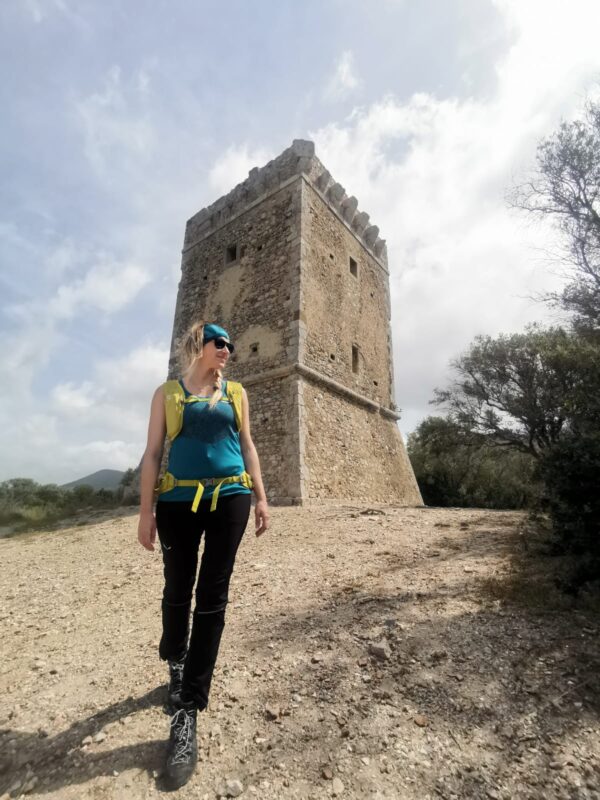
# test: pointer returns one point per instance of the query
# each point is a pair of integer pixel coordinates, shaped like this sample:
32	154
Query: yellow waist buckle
169	482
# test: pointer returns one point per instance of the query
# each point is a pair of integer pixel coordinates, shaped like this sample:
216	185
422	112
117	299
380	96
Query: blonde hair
190	349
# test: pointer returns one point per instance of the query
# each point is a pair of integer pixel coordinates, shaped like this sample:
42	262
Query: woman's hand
261	516
147	530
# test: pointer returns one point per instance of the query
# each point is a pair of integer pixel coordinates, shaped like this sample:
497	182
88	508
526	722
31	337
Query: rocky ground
369	653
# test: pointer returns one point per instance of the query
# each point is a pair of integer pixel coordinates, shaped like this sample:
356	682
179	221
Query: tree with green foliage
25	503
128	477
538	392
455	468
565	187
520	390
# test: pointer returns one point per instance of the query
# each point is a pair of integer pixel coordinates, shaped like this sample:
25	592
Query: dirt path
364	657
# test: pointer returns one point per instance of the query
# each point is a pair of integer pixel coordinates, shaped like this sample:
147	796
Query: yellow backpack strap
234	395
174	400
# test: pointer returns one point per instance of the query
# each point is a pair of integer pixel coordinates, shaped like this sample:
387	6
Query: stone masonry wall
342	309
350	448
253	295
274	428
354	453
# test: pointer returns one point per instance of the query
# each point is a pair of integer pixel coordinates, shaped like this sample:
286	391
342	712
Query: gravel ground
375	652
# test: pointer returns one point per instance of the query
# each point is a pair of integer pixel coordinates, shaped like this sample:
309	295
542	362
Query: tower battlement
299	159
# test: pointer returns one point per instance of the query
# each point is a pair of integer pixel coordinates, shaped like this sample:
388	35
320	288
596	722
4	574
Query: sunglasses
221	343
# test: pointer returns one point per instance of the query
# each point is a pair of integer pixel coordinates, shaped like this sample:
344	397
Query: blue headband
214	332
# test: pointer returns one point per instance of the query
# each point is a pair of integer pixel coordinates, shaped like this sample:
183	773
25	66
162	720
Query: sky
121	120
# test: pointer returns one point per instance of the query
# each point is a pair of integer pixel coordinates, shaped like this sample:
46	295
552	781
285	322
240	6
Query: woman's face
213	356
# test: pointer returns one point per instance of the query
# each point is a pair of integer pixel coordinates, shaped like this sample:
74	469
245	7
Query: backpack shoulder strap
174	400
234	395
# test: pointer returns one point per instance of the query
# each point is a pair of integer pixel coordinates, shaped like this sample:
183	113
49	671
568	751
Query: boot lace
182	725
176	669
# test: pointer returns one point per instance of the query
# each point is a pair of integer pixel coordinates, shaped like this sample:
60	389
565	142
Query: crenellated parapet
299	159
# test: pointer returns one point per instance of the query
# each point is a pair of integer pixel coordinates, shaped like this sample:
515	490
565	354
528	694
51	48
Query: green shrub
571	474
454	469
25	503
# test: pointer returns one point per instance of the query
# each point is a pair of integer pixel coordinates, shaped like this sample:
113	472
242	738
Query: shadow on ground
61	761
518	682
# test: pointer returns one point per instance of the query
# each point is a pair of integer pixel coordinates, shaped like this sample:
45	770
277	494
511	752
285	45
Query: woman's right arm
151	459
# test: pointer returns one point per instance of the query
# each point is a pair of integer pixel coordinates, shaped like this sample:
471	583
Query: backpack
175	400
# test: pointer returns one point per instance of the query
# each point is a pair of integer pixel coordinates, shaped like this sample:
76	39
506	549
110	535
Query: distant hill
103	479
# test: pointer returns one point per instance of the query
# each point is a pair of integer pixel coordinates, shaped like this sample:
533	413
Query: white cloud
119	134
41	10
130	379
344	80
233	167
433	175
61	281
97	423
64	258
151	160
111	409
117	396
26	349
38	430
107	287
54	459
69	398
35	9
92	456
72	279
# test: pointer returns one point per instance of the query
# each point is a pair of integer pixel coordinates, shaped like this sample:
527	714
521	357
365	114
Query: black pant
180	531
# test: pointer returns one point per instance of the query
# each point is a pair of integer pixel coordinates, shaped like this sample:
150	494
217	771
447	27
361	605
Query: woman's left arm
252	464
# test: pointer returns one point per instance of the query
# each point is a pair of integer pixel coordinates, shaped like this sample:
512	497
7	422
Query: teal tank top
208	446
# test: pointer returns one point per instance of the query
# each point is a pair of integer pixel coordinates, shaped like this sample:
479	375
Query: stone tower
299	278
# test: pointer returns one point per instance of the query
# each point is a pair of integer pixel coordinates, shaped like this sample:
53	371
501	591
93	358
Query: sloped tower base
353	452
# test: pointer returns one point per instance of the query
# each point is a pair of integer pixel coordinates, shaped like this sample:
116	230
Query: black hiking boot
182	753
174	690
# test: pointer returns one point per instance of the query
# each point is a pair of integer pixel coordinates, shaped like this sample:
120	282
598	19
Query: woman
212	467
